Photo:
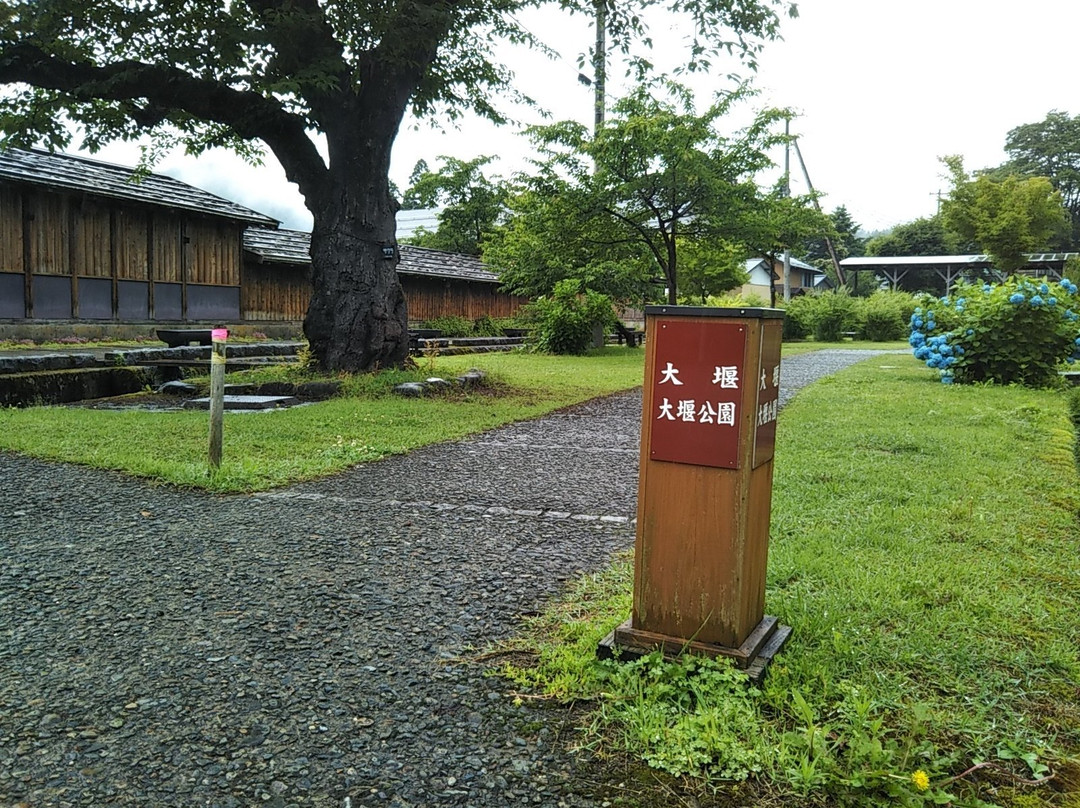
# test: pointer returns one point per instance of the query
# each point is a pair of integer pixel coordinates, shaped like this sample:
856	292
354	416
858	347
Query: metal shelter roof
293	247
70	173
931	261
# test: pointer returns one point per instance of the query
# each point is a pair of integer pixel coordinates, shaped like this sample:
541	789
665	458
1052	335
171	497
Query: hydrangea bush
1016	332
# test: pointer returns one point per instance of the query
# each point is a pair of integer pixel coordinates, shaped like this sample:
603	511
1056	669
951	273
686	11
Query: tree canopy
471	203
656	179
290	75
921	237
1050	148
1005	217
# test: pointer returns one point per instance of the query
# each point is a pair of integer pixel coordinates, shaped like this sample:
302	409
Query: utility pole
787	193
599	66
828	241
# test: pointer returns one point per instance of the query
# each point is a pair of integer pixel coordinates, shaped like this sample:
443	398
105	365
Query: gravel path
304	647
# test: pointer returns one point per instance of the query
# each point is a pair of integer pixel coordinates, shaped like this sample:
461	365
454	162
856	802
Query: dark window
12	289
213	302
133	300
52	297
95	299
167	302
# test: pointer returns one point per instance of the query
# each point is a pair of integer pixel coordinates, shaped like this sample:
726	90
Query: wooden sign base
753	656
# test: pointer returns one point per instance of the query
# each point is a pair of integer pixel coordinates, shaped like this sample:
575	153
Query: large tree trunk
357	319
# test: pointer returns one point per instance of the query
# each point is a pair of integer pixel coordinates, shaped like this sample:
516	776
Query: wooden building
81	241
276	281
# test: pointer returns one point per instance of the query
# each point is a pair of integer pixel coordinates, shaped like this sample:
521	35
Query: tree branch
160	92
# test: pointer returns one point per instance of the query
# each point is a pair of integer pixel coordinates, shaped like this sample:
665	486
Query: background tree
655	176
921	237
283	74
1050	148
778	223
709	268
1005	217
546	239
845	238
471	203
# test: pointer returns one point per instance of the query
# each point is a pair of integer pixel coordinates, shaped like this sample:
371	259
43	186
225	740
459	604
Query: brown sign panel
697	384
768	392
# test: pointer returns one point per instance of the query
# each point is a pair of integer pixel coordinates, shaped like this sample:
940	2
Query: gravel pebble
308	646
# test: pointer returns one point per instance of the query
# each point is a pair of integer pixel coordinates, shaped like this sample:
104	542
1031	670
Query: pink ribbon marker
219	334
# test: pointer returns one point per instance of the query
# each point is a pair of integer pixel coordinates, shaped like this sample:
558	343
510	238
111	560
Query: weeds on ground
924	550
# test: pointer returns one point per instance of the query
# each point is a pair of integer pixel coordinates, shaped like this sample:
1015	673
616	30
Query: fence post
217	393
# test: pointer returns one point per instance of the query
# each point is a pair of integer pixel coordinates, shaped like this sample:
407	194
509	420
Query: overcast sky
882	89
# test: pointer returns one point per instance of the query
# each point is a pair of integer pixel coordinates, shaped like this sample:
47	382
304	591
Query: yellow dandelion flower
920	779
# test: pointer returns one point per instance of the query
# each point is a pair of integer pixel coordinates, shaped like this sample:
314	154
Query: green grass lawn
925	551
270	449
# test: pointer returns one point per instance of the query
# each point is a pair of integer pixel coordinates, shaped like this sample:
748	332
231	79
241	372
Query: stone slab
245	402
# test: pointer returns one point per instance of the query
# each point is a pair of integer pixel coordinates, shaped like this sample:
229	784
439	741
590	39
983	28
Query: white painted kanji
665	411
707	414
725	413
670	374
727	376
686	410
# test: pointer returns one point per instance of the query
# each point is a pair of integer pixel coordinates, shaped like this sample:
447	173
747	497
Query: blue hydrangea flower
1036	300
946	378
1052	301
1044	289
1016	298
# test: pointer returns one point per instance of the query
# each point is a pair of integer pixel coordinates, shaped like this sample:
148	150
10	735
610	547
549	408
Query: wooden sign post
708	429
217	393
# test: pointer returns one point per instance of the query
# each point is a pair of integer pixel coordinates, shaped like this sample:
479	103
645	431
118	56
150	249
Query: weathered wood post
708	430
217	393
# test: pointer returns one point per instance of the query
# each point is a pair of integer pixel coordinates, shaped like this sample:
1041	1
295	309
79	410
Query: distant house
81	242
803	278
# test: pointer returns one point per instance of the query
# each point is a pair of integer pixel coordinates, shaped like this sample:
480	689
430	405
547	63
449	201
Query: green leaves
1006	217
656	181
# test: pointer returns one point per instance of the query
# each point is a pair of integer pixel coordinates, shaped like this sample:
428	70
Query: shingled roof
70	173
269	246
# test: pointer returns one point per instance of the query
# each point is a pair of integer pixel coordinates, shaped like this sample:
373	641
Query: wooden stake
217	393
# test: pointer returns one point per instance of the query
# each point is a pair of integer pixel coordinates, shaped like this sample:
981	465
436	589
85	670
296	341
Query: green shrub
884	315
451	325
1016	332
831	314
486	326
565	319
737	300
1073	405
797	317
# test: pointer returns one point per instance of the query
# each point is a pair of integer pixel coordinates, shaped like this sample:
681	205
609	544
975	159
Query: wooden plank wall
281	292
81	236
11	228
213	252
440	297
50	247
90	232
272	292
130	243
